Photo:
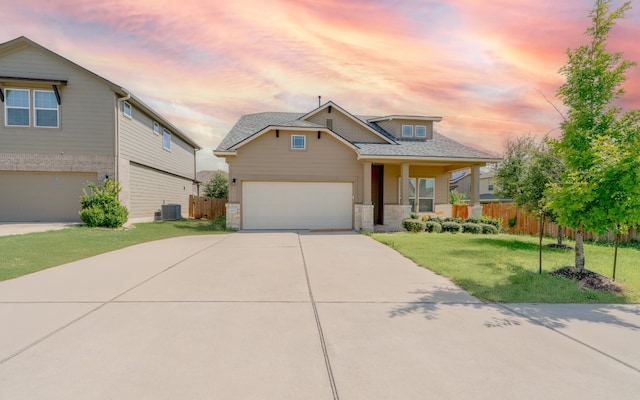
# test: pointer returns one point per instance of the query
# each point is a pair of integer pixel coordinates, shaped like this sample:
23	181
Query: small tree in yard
527	169
101	207
217	187
596	185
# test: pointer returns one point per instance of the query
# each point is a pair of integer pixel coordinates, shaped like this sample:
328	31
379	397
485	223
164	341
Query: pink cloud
484	66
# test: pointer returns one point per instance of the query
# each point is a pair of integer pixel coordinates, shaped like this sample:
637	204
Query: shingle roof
438	147
250	124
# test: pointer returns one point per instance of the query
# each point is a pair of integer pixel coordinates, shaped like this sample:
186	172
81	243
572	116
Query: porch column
366	196
404	183
475	208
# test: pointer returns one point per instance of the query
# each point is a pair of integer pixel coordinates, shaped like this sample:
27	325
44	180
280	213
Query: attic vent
330	123
171	212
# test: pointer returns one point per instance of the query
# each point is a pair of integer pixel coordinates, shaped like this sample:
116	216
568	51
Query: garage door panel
297	205
42	196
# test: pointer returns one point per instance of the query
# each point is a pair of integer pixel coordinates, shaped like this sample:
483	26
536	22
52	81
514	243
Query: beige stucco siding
150	189
140	144
346	127
392	179
86	115
270	158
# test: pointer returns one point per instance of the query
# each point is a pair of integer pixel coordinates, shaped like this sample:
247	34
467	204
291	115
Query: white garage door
297	205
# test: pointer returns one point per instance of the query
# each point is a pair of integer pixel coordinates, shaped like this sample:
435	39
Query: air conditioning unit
171	212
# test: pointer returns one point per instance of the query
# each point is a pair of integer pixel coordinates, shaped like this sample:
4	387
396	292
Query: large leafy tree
218	186
594	80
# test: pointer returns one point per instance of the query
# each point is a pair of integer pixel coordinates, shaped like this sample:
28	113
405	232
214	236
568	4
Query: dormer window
407	130
421	131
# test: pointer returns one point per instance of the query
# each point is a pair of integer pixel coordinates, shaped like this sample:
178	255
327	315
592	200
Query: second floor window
166	139
18	108
45	109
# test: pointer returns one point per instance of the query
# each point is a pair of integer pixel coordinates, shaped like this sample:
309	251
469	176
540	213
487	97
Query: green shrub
92	216
414	216
452	219
497	222
470	227
413	225
512	221
101	207
473	220
432	226
450	226
489	229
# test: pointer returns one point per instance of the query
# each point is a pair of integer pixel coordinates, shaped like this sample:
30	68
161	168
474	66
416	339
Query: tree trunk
540	243
615	255
560	235
579	247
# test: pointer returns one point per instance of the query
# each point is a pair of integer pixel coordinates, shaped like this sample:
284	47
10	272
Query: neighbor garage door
297	205
41	196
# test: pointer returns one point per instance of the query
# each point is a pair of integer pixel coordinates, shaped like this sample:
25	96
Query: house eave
414	117
433	159
290	128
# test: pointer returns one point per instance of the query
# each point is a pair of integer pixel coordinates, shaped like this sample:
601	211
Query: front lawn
24	254
504	268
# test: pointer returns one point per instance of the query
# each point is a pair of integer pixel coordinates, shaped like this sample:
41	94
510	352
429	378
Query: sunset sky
484	66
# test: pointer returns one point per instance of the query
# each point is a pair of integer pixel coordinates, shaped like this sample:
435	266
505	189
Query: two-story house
330	169
63	126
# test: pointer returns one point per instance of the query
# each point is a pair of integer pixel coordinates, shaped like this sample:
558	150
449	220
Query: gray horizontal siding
140	144
150	189
86	114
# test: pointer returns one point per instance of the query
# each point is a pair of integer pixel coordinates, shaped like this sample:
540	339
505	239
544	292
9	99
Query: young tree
218	186
593	82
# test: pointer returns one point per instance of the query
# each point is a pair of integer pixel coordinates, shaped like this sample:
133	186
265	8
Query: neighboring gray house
330	169
461	181
63	126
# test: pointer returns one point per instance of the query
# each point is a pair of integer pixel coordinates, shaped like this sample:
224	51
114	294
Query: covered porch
393	189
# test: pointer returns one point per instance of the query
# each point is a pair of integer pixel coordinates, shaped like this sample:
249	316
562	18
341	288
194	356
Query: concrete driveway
296	316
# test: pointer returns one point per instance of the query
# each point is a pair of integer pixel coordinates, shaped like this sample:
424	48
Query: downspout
119	100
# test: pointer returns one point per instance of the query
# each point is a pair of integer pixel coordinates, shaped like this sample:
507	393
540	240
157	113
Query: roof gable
330	106
22	43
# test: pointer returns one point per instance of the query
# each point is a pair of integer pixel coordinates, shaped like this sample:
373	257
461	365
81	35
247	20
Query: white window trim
126	105
416	197
304	142
156	128
425	131
168	132
402	131
57	110
6	107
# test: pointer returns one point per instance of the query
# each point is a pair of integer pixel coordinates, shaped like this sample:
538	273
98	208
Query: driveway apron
296	315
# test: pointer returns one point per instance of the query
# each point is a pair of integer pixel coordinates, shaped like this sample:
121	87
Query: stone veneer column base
363	218
233	215
394	214
475	211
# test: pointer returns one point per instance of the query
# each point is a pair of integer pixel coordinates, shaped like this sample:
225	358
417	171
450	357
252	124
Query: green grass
504	268
24	254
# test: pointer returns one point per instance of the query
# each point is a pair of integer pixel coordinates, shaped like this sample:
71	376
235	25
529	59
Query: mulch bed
588	279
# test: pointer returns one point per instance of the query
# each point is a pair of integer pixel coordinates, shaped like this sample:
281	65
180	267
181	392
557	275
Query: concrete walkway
296	316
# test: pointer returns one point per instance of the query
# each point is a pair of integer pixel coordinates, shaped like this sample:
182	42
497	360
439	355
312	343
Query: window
421	194
407	130
156	128
421	131
166	139
45	109
17	107
126	109
490	185
298	142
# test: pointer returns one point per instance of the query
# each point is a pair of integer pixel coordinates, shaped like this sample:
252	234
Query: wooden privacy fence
206	207
526	223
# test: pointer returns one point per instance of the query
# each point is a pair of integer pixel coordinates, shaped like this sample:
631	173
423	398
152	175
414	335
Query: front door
377	198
